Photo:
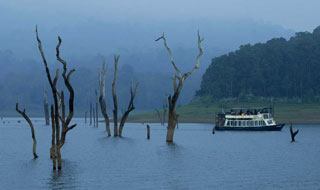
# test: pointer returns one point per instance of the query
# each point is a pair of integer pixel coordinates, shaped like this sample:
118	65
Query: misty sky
299	15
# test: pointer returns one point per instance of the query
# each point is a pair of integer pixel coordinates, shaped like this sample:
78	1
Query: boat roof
261	109
247	111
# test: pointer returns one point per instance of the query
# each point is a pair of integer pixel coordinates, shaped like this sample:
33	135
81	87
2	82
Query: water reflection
66	178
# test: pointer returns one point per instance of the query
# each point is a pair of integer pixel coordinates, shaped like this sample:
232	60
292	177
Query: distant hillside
142	59
279	68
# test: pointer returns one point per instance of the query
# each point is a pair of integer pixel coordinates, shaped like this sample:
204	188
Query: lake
197	160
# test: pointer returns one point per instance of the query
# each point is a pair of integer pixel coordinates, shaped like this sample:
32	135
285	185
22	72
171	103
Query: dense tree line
279	68
21	80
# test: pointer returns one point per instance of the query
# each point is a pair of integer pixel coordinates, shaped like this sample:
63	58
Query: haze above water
95	29
197	160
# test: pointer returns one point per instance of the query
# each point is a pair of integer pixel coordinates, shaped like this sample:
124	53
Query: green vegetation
202	112
279	68
280	73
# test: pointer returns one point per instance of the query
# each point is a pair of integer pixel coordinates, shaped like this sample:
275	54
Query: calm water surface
197	160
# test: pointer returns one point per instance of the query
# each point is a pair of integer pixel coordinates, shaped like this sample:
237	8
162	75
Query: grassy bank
297	113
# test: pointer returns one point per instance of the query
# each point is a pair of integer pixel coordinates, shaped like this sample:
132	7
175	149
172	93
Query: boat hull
263	128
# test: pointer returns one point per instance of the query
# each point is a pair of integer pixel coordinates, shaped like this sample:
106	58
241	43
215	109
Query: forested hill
279	68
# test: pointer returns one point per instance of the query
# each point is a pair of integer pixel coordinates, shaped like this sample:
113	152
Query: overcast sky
299	15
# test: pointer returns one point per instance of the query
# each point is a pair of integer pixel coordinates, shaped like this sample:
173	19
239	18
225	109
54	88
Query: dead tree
102	97
34	140
94	116
148	132
63	119
178	81
53	137
162	114
114	96
46	108
90	114
133	92
97	115
293	133
159	116
177	121
85	117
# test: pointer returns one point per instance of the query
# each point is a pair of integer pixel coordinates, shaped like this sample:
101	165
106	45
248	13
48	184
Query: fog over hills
87	40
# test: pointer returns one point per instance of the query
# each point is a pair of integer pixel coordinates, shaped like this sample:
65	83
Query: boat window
239	123
265	116
243	123
255	123
251	123
269	122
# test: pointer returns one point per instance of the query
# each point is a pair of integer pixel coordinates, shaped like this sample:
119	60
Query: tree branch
197	64
163	37
26	117
66	78
133	91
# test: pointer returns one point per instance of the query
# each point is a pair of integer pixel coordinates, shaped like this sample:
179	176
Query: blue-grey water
197	160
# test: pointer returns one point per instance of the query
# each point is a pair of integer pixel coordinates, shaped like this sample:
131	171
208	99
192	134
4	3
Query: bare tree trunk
177	121
105	115
159	116
97	115
53	83
178	81
133	91
293	133
171	125
90	113
102	101
53	132
114	97
65	120
25	116
94	116
85	117
148	132
53	139
46	108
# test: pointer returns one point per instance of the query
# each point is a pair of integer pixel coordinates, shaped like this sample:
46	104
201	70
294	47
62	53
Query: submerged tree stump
293	133
94	116
148	132
85	117
90	114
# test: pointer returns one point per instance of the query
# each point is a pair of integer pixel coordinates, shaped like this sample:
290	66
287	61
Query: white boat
247	120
